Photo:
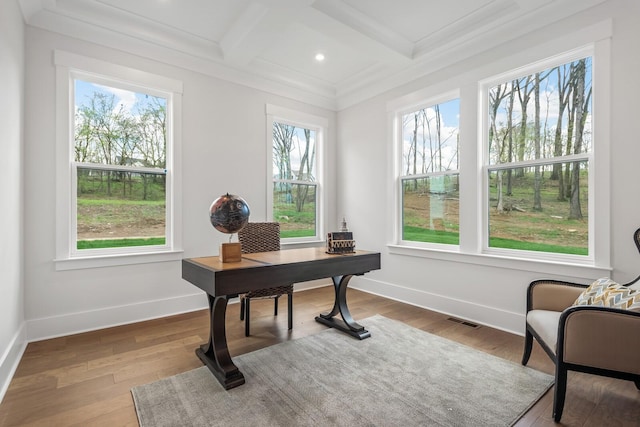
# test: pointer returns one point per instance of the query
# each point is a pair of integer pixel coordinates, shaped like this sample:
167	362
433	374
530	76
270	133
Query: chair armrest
600	337
552	295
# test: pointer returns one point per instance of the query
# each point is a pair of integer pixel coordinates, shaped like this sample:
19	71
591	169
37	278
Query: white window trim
596	38
319	124
69	66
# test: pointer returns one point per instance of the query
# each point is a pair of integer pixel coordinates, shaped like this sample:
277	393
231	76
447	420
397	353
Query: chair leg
560	391
528	345
275	305
637	383
290	309
246	316
241	308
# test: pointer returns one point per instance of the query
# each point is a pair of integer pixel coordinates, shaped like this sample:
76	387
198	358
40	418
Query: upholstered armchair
599	340
262	237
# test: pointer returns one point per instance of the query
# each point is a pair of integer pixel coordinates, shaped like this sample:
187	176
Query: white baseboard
74	323
11	359
466	310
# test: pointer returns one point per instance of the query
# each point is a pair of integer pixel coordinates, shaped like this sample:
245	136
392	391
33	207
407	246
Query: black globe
229	213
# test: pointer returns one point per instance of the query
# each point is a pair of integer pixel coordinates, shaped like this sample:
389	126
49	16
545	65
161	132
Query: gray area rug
400	376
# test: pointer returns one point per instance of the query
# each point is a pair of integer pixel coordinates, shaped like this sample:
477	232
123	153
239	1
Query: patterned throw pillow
605	292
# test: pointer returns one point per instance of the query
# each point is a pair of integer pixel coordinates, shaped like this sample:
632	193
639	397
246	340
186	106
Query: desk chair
263	237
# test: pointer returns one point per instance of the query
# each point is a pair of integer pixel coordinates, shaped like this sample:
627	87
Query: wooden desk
222	281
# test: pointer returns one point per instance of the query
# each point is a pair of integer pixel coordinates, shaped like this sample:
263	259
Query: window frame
596	42
70	67
277	114
483	114
400	177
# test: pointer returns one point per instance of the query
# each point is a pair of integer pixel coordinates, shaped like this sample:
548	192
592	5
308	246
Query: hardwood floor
85	379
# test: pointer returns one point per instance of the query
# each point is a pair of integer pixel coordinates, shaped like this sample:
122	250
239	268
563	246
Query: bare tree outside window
539	142
295	187
430	190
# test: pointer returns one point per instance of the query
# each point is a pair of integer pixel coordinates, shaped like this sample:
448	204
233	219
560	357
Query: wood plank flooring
85	379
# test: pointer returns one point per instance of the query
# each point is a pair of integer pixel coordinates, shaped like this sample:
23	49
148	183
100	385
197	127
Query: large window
295	173
117	189
429	176
120	166
539	159
512	165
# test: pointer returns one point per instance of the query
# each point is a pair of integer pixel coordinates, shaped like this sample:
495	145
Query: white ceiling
369	45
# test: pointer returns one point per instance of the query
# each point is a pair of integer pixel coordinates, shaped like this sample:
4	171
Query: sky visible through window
551	90
132	102
296	153
434	140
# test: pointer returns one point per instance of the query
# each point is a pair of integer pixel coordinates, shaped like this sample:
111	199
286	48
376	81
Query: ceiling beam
373	30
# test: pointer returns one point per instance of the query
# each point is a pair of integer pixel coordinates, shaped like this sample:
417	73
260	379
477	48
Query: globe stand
230	252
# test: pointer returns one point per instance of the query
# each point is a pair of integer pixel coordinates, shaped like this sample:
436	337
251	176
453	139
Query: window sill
545	268
301	244
78	263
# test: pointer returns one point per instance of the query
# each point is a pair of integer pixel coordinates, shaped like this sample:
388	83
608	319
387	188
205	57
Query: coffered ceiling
368	45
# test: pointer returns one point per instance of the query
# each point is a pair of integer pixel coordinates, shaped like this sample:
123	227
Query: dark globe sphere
229	213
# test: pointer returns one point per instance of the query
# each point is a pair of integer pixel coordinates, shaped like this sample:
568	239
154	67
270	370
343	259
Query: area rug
400	376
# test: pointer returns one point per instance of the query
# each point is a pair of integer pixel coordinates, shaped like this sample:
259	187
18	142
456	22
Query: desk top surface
282	257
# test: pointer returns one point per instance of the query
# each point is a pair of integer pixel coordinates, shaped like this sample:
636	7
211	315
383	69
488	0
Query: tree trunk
510	138
581	104
537	180
524	94
500	205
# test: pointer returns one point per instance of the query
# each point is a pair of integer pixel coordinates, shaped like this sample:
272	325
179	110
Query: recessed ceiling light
319	57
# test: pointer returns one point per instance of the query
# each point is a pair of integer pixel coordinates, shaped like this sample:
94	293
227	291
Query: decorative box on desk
230	252
340	242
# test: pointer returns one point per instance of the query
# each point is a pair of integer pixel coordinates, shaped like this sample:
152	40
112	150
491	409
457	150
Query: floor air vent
463	322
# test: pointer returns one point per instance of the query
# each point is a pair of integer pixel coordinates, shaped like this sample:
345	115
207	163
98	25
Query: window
429	175
529	180
295	173
539	160
120	141
118	163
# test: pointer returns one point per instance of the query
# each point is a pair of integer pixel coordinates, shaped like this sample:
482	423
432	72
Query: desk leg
347	324
215	353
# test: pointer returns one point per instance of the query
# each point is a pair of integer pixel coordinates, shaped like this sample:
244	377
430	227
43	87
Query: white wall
471	287
12	334
224	148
